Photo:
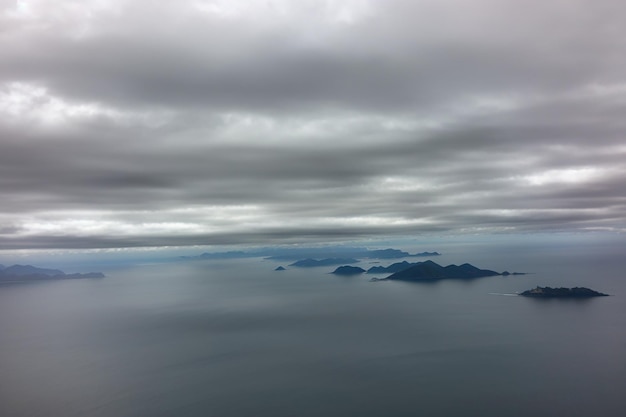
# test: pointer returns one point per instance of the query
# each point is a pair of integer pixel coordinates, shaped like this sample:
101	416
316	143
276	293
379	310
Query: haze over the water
140	123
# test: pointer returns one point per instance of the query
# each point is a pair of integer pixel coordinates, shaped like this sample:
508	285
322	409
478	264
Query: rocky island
576	292
25	273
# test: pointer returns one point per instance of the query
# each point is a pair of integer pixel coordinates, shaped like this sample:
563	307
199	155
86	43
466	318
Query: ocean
235	338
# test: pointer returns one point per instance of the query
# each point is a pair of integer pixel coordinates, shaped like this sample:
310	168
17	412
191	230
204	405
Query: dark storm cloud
126	124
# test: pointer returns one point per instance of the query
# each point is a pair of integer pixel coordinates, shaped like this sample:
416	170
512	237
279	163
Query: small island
427	254
348	270
576	292
27	273
507	273
280	268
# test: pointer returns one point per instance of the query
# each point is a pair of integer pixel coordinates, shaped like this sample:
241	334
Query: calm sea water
235	338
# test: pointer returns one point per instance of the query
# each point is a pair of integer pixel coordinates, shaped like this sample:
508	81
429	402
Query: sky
127	124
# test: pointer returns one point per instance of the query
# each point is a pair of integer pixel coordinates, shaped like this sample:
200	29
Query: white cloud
27	103
576	176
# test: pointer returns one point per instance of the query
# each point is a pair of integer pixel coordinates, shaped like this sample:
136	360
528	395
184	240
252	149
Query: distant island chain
343	256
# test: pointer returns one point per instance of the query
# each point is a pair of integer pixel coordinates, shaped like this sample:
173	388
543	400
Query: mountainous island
280	268
24	273
348	270
548	292
396	267
430	271
310	263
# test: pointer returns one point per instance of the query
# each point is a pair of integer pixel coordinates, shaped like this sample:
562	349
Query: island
348	270
548	292
280	268
310	263
25	273
430	271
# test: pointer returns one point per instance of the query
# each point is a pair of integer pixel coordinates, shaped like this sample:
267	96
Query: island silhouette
348	270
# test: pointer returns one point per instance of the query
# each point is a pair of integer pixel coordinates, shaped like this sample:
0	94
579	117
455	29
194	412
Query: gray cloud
126	124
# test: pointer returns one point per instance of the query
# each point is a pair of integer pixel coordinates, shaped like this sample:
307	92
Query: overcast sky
143	123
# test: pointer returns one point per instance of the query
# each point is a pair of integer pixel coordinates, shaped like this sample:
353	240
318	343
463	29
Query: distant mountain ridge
316	253
309	263
33	273
21	270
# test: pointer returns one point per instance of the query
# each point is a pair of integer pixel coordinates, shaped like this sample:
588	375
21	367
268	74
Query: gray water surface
235	338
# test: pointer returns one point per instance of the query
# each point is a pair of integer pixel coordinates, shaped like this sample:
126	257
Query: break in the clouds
138	123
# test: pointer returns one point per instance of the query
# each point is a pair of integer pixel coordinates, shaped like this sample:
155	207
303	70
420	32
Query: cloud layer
126	123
